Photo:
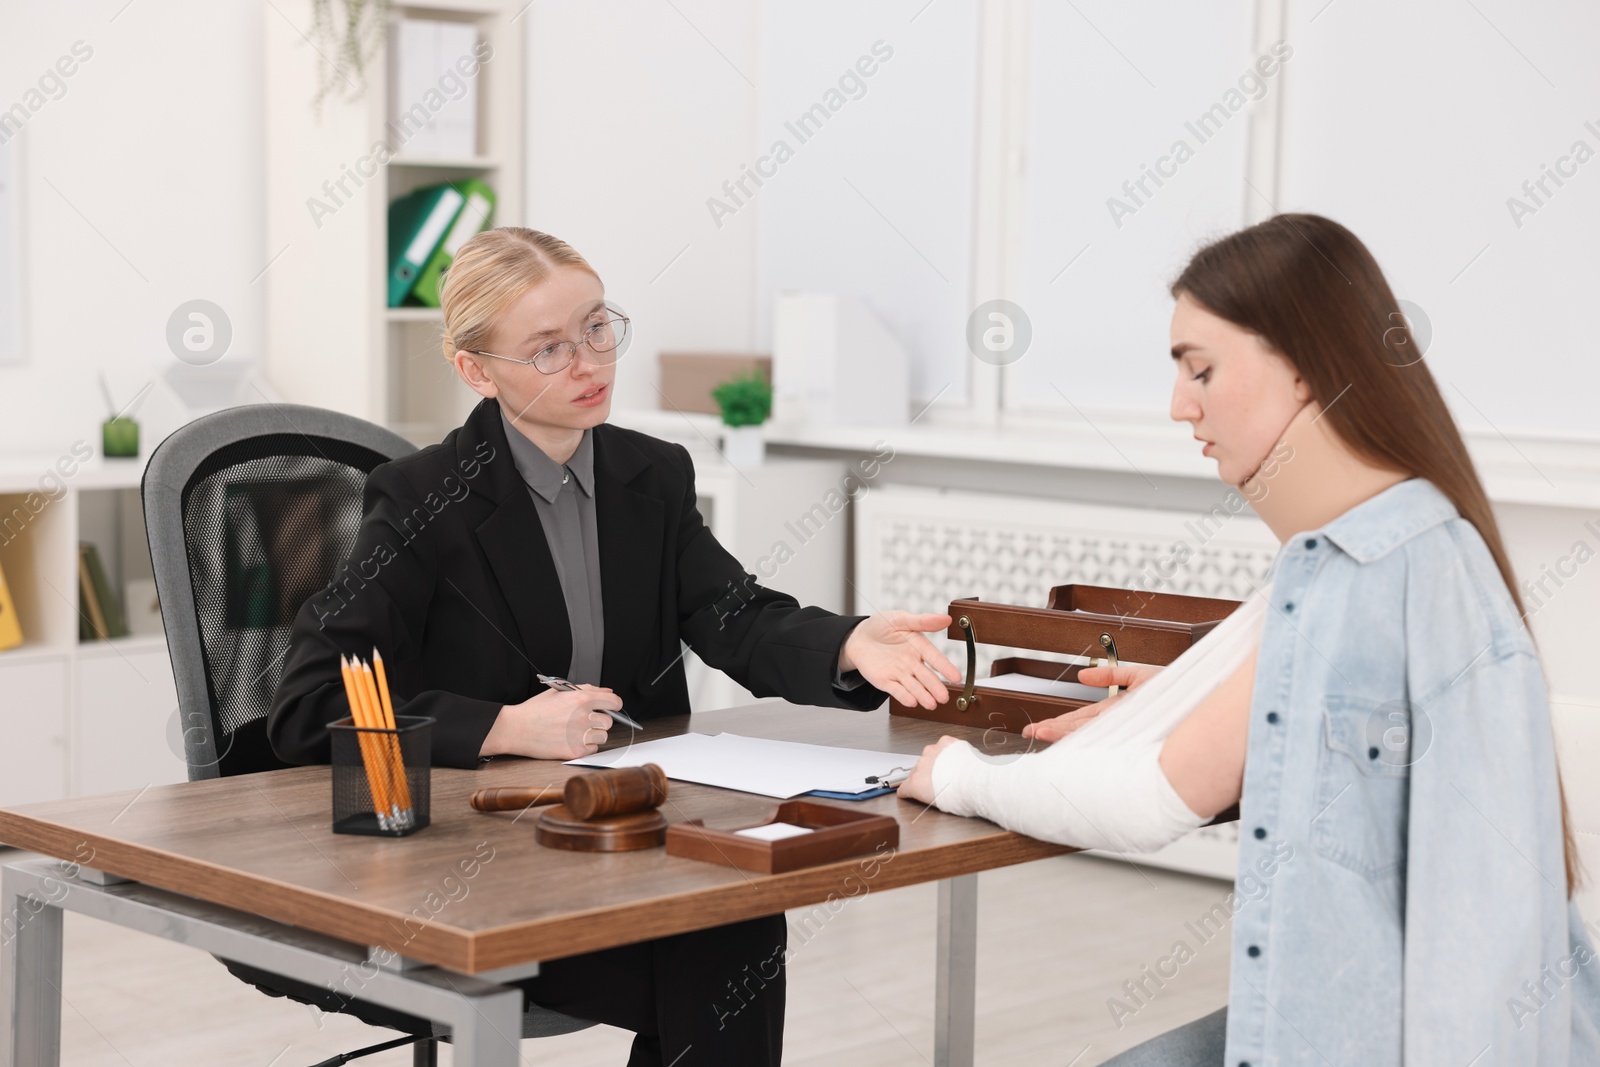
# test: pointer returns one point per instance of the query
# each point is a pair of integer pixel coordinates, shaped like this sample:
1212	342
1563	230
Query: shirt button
1311	542
1261	832
1272	717
1372	753
1288	605
564	476
1254	950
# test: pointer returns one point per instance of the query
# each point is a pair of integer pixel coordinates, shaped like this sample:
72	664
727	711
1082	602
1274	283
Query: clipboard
827	794
783	770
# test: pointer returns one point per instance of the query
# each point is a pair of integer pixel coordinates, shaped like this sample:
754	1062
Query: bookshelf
80	717
331	339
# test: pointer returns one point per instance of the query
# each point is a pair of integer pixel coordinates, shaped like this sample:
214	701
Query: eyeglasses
604	336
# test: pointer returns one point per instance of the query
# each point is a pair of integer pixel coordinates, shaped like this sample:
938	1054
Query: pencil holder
380	777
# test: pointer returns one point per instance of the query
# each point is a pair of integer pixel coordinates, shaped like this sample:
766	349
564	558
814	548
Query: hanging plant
347	35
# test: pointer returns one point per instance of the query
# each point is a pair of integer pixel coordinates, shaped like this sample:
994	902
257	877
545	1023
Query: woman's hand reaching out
1127	675
553	724
890	652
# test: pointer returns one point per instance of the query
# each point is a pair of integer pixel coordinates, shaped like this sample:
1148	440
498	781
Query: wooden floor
1057	940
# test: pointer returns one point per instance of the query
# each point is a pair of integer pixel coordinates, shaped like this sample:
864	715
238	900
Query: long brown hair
1309	288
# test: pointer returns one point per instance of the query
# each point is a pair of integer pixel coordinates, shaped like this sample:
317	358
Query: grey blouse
563	495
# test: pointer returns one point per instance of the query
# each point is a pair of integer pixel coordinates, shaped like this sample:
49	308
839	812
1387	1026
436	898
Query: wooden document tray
1097	622
836	833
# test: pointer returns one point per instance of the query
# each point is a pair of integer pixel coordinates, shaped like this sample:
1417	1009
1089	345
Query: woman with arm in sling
1378	710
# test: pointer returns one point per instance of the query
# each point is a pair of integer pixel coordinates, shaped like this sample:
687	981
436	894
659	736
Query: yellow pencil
388	748
372	719
371	754
383	686
358	716
388	716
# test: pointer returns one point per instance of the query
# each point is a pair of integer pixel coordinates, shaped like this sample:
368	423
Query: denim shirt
1400	821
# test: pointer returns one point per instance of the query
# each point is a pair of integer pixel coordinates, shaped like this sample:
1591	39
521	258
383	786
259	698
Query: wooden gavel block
610	810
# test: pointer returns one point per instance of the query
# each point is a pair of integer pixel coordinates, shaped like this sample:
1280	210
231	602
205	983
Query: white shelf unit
78	717
332	340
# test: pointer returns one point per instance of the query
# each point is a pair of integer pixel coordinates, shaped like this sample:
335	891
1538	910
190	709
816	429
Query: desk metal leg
487	1031
485	1018
30	975
954	1005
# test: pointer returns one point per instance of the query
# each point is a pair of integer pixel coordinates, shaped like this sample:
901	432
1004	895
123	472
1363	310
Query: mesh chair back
248	512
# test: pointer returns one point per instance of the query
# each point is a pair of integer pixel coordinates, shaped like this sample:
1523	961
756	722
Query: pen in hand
557	682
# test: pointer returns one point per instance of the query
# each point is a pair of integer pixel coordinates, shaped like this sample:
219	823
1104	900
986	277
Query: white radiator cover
918	549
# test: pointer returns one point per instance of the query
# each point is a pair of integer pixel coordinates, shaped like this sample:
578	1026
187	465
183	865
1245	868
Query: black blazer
452	579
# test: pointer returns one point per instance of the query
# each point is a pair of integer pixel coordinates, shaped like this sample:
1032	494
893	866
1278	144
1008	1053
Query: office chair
248	511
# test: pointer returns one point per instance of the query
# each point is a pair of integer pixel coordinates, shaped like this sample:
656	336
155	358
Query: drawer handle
1110	645
968	697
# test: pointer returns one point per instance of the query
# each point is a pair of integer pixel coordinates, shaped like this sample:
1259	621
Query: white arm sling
1102	785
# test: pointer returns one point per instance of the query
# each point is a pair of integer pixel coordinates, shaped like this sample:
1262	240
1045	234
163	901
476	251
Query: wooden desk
471	895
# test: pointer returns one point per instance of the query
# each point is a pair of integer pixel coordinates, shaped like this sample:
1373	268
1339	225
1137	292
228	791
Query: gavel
593	795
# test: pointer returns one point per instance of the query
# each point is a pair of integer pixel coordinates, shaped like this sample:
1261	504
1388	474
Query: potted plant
745	402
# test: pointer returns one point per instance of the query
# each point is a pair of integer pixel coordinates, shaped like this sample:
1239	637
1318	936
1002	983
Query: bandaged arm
1069	794
1102	786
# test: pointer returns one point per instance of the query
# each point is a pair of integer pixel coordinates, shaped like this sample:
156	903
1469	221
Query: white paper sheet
1027	683
780	769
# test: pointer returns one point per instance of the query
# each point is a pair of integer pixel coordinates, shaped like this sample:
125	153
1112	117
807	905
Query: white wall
1101	114
625	145
1413	124
877	201
142	189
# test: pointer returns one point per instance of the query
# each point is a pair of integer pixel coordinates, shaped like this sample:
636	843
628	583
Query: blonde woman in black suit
538	539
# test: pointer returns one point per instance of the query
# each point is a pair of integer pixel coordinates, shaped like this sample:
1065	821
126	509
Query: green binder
475	216
418	222
98	605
